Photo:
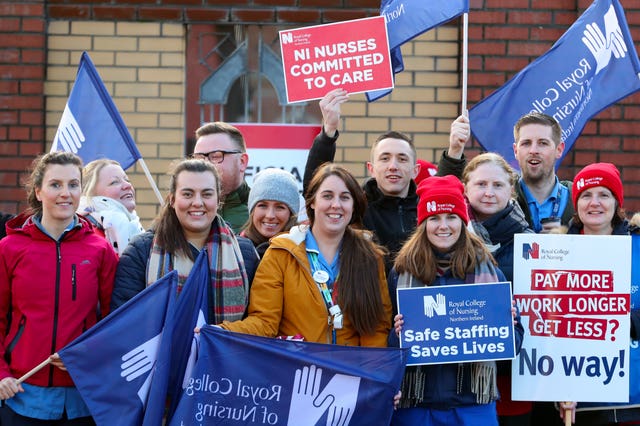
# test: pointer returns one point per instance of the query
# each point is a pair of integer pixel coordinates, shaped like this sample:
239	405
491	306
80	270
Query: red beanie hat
427	169
441	194
598	174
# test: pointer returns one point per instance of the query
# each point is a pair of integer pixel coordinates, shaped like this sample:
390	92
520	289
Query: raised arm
323	149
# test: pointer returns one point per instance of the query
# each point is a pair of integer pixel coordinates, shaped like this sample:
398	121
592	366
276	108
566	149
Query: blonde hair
91	173
489	158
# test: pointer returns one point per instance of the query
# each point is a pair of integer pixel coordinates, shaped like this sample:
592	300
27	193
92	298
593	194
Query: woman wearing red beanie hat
598	198
441	251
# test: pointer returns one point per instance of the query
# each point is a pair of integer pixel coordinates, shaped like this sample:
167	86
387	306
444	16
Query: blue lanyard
556	203
321	278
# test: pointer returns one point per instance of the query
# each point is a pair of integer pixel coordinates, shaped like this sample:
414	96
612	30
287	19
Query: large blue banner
457	323
241	379
407	19
593	65
91	125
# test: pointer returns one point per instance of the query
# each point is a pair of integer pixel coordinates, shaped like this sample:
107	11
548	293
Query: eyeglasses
215	157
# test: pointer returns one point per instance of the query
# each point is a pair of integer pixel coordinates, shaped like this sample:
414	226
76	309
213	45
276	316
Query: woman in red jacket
55	272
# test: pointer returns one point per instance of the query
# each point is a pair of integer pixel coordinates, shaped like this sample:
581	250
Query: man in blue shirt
544	199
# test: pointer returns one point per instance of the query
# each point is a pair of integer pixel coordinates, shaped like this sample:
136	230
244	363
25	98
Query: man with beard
544	199
391	191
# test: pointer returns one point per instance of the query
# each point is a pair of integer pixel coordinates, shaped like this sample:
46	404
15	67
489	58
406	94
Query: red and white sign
285	146
353	55
573	294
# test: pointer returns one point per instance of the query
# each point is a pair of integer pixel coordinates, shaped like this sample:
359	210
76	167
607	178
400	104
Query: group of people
331	278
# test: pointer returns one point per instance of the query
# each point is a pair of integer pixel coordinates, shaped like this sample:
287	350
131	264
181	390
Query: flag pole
34	370
151	181
465	60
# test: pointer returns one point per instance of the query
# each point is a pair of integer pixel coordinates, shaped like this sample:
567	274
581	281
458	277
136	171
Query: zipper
56	308
73	282
15	339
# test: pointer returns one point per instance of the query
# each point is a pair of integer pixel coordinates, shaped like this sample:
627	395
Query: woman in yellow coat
325	281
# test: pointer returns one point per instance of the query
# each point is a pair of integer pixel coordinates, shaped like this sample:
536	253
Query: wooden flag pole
34	370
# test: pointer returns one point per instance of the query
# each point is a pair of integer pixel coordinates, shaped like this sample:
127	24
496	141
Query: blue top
48	403
317	260
554	205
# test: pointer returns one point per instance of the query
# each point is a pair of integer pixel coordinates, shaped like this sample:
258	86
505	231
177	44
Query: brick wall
22	117
504	36
142	65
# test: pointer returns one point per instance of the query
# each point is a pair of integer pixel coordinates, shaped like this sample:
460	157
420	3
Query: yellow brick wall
142	65
424	102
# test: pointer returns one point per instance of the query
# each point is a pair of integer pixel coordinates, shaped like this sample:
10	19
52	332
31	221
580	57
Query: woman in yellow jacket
325	281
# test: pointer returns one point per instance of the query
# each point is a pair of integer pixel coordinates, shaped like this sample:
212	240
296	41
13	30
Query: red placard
353	55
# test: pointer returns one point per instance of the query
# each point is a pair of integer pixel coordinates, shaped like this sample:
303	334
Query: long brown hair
418	256
358	283
168	230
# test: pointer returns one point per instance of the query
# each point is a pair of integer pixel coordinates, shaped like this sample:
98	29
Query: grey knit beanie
275	185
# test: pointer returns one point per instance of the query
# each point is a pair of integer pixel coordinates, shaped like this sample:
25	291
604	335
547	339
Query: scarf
229	292
112	217
483	374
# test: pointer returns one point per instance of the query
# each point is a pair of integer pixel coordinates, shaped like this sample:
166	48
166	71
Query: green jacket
234	207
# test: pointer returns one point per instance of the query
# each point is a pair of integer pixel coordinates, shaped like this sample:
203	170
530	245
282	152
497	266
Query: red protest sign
353	55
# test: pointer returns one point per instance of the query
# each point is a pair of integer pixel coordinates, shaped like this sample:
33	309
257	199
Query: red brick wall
22	73
504	36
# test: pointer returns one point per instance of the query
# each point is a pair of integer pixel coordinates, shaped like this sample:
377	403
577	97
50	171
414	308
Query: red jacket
51	291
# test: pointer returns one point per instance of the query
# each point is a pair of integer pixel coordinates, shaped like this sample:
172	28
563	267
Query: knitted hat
441	194
275	185
598	174
427	169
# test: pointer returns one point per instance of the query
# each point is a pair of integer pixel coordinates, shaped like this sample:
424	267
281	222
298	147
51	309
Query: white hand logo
139	361
308	404
343	391
69	136
438	305
602	45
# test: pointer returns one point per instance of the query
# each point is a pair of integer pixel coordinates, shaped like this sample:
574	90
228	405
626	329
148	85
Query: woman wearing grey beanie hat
273	204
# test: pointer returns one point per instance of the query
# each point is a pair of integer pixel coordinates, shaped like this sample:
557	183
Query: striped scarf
483	374
229	293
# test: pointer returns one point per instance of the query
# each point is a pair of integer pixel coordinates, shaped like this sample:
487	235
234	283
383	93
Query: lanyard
555	209
321	278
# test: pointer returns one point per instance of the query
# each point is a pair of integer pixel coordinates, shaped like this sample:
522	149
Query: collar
556	192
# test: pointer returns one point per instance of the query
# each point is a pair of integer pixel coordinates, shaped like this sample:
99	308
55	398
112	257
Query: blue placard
457	323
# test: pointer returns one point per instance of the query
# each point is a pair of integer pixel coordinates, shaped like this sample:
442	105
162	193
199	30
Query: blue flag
177	346
593	65
407	19
241	379
91	125
112	363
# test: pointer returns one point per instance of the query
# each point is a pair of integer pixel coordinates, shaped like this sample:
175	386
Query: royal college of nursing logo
530	251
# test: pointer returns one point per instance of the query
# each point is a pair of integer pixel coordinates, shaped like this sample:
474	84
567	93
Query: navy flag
91	125
407	19
240	379
593	65
113	363
178	348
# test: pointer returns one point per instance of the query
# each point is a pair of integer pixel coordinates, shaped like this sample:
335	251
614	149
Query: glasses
215	157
